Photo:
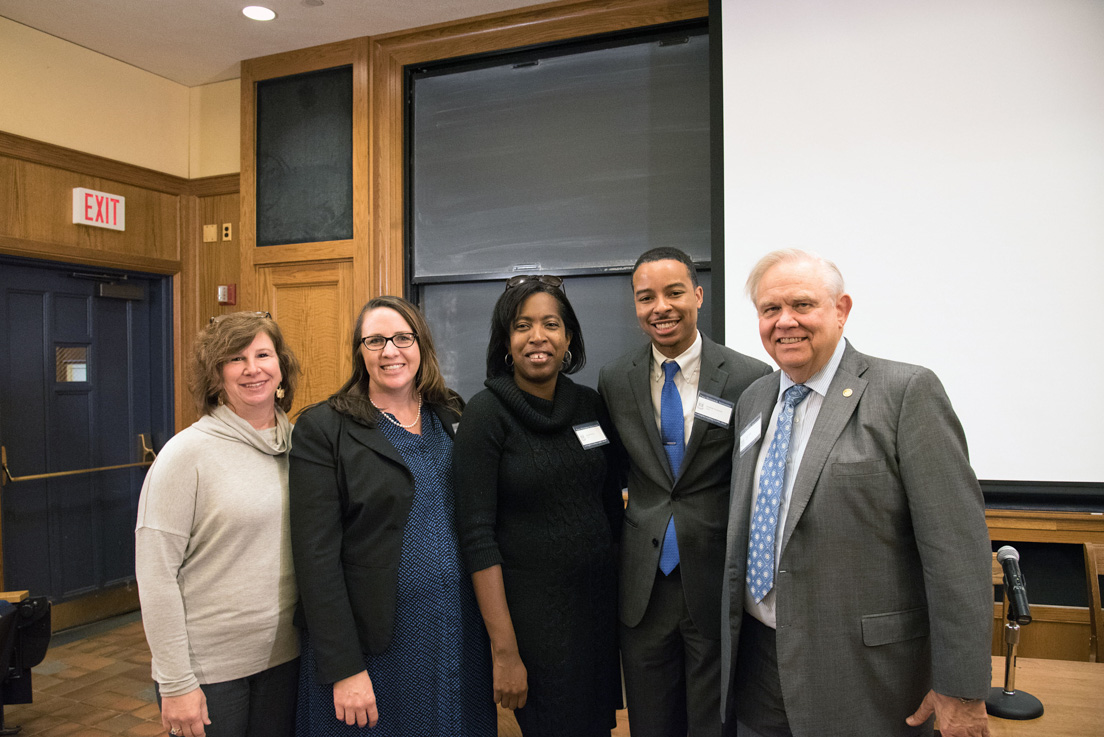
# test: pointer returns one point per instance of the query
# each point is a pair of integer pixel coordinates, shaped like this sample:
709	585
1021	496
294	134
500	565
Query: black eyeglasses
400	340
550	279
220	318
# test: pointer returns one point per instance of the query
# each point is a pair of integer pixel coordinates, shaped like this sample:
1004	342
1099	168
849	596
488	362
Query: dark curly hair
226	337
502	321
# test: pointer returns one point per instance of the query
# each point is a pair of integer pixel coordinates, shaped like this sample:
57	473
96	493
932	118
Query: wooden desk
1072	694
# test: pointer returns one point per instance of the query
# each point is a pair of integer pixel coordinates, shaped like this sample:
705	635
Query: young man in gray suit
858	597
675	424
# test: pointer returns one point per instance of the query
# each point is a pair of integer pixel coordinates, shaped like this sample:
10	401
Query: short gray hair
833	279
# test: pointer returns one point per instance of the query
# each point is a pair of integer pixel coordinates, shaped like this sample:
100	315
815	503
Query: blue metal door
85	368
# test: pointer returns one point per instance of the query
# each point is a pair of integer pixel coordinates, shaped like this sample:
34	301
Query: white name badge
590	435
751	433
713	409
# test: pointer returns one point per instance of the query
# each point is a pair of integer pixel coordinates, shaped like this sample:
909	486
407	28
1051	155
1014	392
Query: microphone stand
1007	702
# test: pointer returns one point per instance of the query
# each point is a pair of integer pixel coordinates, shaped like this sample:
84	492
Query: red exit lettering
107	209
100	209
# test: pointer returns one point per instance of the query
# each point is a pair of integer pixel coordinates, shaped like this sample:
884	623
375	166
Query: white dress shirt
805	415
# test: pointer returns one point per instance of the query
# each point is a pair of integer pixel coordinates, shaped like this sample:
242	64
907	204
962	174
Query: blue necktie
673	428
772	478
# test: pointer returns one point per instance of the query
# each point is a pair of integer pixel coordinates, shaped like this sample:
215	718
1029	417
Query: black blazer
350	499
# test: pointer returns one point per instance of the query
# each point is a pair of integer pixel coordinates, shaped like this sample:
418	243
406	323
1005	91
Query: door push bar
6	477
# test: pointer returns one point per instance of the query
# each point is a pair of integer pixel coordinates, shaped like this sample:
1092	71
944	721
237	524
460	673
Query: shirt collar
821	380
689	361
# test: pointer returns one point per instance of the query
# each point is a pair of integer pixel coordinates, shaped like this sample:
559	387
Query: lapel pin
847	392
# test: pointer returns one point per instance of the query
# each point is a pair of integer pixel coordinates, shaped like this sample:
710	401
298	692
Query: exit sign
99	209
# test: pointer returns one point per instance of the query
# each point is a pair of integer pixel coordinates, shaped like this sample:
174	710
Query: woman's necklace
395	420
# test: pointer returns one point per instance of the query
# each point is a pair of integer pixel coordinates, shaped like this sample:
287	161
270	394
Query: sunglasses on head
549	279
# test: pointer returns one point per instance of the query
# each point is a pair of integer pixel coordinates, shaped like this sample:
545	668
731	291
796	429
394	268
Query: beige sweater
213	553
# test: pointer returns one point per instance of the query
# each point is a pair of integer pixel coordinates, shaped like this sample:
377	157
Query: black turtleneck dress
530	498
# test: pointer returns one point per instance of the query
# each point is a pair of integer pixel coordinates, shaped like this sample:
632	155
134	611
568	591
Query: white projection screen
948	155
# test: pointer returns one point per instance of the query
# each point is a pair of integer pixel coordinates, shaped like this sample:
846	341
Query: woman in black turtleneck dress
539	513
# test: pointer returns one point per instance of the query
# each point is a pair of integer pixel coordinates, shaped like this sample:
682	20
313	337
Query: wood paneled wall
1055	633
313	299
36	207
291	281
164	218
204	268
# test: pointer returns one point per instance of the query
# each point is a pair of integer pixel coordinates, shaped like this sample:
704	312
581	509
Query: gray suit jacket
883	588
698	498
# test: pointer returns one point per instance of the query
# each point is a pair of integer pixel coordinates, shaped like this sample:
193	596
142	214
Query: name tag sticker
751	433
713	409
591	435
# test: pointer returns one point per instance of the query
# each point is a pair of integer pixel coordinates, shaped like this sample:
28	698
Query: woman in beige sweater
213	553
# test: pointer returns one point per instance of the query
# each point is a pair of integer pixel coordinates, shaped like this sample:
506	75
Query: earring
566	360
280	392
509	360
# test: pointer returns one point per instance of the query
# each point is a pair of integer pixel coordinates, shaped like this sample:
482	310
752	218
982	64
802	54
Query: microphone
1019	611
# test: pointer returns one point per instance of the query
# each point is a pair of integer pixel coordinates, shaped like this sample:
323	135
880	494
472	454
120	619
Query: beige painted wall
215	129
61	93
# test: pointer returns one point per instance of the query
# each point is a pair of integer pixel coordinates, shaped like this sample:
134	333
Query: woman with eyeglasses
392	636
539	512
213	546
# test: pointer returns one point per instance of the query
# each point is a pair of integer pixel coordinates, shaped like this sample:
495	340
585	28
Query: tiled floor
91	687
95	682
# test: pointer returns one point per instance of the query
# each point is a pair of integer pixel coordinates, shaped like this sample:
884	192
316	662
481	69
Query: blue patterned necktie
772	478
673	429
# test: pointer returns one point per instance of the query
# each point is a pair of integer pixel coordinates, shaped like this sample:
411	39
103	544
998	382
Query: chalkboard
583	160
305	158
459	314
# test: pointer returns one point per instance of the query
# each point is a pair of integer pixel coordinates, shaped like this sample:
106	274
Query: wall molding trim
79	162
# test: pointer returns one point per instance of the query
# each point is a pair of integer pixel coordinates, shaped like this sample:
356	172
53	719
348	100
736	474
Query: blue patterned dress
435	678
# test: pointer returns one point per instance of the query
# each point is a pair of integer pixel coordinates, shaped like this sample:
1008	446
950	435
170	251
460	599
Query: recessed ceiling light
256	12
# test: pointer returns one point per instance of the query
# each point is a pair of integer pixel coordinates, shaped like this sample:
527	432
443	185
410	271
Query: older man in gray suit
671	402
857	597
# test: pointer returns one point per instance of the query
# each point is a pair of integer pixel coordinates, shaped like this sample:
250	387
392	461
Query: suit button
655	543
676	496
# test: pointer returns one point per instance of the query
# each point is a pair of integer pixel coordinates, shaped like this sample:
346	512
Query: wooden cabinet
310	301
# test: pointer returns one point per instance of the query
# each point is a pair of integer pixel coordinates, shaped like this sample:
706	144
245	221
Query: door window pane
72	363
